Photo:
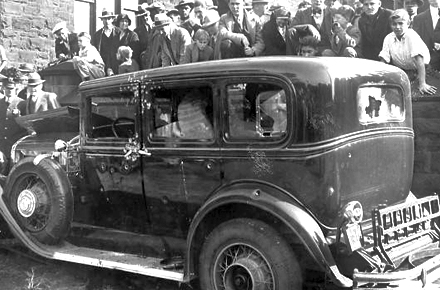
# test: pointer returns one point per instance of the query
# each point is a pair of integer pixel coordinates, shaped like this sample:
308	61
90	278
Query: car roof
315	69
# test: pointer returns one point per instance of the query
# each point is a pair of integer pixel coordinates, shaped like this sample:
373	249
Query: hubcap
241	267
26	203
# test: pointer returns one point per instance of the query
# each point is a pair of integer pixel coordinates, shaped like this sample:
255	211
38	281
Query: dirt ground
20	272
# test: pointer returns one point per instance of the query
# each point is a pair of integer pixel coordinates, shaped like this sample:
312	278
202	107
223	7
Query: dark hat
8	83
210	18
107	14
35	79
282	13
173	12
142	10
161	20
121	17
157	6
26	67
181	3
419	3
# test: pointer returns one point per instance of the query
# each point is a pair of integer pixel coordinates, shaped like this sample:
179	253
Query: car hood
64	119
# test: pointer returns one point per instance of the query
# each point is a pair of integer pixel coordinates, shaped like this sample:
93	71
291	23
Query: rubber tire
60	194
280	256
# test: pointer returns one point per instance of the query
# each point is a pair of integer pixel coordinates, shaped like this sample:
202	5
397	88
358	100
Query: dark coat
304	16
69	48
108	53
10	131
145	34
423	25
373	32
274	43
131	39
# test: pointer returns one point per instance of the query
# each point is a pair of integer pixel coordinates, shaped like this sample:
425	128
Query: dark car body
173	153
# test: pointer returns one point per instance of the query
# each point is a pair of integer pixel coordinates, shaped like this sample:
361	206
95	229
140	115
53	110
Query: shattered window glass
379	104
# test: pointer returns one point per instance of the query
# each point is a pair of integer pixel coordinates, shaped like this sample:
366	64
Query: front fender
277	203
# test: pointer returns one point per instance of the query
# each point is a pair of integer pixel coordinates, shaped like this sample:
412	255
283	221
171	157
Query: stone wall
26	27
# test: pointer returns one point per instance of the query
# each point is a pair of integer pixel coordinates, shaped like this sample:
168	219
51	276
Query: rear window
380	104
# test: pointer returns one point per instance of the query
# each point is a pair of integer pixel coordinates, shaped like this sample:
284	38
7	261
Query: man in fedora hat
260	8
38	100
145	32
10	131
106	41
174	40
210	24
240	31
185	7
66	42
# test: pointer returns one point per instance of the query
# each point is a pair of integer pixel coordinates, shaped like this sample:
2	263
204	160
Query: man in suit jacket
174	40
66	42
37	100
429	31
106	41
318	16
374	25
240	31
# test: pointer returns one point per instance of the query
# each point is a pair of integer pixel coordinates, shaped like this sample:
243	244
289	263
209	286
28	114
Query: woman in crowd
127	36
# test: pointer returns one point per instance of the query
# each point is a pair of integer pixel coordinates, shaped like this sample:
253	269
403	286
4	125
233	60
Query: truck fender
278	204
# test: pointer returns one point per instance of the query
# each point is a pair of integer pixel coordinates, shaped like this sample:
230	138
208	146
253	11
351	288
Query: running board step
148	266
65	251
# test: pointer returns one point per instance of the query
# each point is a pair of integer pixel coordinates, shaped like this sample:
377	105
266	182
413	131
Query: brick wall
26	27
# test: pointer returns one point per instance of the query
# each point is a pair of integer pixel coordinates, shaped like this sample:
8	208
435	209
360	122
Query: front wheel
40	199
246	254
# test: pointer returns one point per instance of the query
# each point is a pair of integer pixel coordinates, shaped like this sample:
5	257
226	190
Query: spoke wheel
246	254
40	199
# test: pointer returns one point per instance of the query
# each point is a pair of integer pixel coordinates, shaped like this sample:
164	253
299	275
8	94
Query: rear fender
278	204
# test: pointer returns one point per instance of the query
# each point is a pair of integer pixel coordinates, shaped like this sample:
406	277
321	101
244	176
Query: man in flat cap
260	8
66	42
174	40
106	41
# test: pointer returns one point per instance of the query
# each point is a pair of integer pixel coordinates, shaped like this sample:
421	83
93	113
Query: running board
87	256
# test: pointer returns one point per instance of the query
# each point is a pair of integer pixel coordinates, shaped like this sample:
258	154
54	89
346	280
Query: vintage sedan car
262	173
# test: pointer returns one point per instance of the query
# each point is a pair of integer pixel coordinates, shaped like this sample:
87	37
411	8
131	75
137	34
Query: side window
183	113
112	116
380	104
256	111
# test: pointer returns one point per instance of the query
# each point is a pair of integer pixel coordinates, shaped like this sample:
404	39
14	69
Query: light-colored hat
157	6
173	12
34	79
59	26
210	18
161	20
260	2
26	67
107	14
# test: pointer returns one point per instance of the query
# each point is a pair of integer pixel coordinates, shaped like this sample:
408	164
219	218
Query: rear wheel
40	199
246	254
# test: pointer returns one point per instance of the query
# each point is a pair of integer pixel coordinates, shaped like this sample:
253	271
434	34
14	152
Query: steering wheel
122	121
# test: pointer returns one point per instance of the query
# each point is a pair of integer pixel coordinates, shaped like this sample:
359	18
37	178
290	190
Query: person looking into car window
38	100
88	63
200	49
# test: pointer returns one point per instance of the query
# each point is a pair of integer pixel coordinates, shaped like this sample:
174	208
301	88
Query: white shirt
401	52
434	15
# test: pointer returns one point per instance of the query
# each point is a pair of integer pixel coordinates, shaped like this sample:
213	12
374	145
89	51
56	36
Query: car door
113	193
184	165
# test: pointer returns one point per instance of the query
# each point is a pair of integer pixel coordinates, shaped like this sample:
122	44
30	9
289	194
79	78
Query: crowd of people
197	30
194	31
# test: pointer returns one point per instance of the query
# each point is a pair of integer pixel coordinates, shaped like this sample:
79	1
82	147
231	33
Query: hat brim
184	4
36	83
107	17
